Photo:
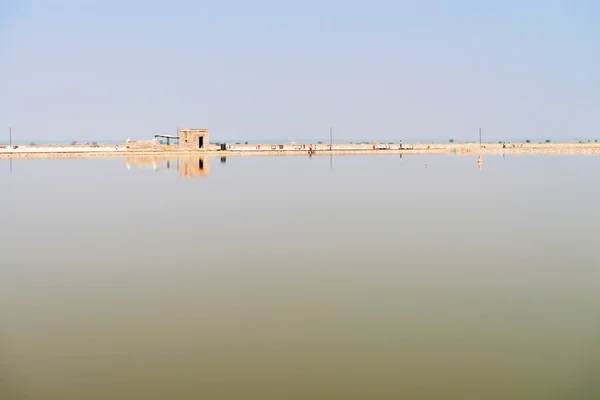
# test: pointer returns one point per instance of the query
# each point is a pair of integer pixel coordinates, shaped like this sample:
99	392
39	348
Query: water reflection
188	166
474	305
588	386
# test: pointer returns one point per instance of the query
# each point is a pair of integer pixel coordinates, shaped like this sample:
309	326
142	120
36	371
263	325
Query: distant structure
193	138
188	138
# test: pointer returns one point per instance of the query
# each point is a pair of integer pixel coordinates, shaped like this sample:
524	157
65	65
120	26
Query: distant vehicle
405	146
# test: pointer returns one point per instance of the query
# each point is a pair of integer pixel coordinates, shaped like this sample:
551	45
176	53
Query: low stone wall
144	145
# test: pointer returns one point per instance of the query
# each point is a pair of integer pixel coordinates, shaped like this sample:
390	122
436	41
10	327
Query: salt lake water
350	277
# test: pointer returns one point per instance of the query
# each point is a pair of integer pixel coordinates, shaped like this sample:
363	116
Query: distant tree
451	140
319	142
73	143
237	143
528	141
547	140
32	144
94	144
246	143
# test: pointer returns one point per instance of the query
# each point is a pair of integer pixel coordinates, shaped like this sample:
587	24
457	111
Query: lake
350	277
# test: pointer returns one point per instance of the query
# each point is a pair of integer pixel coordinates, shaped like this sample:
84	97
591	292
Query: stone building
193	138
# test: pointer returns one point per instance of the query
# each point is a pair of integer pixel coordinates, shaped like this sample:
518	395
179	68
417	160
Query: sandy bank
265	150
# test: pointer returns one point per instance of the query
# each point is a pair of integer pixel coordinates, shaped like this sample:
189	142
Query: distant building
193	138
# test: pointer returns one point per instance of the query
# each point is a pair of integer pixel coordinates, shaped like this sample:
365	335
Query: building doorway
201	142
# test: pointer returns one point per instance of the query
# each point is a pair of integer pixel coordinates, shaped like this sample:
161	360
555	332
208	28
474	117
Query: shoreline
338	150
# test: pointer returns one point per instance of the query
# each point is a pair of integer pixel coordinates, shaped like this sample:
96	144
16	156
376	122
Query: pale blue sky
420	70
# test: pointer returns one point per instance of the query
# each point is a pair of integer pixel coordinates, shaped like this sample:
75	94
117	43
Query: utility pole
479	137
330	138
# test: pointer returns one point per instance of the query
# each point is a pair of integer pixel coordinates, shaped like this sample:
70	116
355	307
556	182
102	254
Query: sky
250	70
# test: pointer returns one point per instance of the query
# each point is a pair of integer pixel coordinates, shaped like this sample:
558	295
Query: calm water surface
357	277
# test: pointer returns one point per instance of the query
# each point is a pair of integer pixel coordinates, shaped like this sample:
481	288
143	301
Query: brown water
357	277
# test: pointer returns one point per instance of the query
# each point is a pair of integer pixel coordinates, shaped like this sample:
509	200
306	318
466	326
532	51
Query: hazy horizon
427	71
288	140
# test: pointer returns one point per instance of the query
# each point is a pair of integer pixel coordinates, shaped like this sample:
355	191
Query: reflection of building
194	167
188	166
